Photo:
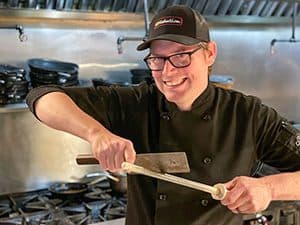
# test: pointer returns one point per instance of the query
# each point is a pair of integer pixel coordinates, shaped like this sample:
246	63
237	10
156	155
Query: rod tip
221	193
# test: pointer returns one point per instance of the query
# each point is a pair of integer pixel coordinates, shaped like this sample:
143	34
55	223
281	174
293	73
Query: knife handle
86	159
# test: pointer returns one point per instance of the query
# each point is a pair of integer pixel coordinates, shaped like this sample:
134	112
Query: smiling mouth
174	83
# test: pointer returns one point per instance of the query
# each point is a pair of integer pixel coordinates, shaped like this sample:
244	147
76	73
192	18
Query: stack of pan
46	71
140	75
13	84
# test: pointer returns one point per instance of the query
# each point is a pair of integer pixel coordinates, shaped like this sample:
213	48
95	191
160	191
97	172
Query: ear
211	52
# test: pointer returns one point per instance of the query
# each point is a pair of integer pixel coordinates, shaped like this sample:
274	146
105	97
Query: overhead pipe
121	39
293	38
20	29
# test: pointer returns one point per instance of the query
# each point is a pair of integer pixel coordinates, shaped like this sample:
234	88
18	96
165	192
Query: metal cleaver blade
165	162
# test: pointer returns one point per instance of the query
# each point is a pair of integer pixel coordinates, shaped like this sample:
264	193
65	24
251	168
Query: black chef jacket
223	135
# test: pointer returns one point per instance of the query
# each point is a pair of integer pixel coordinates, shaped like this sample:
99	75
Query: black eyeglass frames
178	60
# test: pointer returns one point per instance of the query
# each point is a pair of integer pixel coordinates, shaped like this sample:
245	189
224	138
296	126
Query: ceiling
263	8
259	8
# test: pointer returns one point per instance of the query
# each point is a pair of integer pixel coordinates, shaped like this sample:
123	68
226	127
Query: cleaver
165	162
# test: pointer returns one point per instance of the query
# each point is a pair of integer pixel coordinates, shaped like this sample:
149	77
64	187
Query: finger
246	209
232	196
102	160
119	159
229	185
129	153
239	202
112	154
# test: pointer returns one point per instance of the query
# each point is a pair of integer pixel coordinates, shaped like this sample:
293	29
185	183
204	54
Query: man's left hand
247	195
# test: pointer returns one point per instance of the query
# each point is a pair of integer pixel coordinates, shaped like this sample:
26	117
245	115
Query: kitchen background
86	32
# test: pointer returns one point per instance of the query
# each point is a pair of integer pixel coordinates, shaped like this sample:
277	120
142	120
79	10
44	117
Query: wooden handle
86	159
217	191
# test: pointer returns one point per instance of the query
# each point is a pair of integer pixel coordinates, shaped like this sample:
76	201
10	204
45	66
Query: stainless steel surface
147	25
244	54
19	28
9	108
54	14
33	155
247	6
112	222
224	6
263	8
211	7
235	7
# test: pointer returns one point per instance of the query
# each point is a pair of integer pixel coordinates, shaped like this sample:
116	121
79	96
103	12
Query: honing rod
218	191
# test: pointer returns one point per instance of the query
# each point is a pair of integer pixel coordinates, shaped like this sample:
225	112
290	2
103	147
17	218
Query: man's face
182	85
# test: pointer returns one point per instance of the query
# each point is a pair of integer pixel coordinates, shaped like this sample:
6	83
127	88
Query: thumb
230	184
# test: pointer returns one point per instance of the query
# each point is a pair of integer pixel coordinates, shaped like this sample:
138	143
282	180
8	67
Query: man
223	132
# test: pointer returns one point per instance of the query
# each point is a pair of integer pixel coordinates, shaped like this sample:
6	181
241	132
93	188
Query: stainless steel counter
112	222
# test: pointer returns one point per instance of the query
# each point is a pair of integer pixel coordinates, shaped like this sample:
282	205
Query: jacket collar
201	104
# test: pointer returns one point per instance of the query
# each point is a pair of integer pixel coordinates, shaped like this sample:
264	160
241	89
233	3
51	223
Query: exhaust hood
259	8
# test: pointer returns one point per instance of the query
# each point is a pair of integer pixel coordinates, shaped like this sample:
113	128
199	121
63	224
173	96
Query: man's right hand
111	150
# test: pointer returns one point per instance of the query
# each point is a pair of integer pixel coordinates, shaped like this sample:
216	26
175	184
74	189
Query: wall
33	155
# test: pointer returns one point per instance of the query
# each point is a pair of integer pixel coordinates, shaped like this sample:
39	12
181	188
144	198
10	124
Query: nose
168	67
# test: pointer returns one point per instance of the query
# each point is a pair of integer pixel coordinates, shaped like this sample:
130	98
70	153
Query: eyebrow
179	50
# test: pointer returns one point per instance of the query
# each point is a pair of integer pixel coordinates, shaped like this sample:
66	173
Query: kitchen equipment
41	207
13	84
40	65
119	186
75	189
46	71
140	75
217	191
167	162
223	81
117	181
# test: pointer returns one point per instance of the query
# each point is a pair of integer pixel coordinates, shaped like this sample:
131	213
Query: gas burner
4	209
43	207
116	208
98	194
38	202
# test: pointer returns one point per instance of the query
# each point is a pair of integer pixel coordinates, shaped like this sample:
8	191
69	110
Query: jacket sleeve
38	92
110	105
278	142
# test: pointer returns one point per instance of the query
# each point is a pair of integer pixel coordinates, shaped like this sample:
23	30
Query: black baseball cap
177	23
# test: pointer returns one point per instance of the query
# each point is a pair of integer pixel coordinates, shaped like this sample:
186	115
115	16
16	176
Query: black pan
39	65
140	75
69	190
73	190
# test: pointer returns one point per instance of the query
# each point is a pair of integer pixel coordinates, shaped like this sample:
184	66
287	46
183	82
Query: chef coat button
162	197
207	160
206	117
165	116
297	143
204	202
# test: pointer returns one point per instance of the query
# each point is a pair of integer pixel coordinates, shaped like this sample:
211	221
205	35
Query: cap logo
168	21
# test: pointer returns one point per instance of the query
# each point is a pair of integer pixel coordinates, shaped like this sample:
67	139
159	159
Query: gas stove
278	213
43	207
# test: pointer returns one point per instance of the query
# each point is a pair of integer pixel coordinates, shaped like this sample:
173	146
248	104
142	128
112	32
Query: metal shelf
18	107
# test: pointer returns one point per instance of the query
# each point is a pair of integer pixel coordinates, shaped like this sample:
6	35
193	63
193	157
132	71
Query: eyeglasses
178	60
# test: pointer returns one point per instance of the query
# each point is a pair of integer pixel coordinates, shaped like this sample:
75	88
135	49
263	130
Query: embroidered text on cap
170	20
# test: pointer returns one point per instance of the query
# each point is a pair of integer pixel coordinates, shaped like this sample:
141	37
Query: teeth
173	83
